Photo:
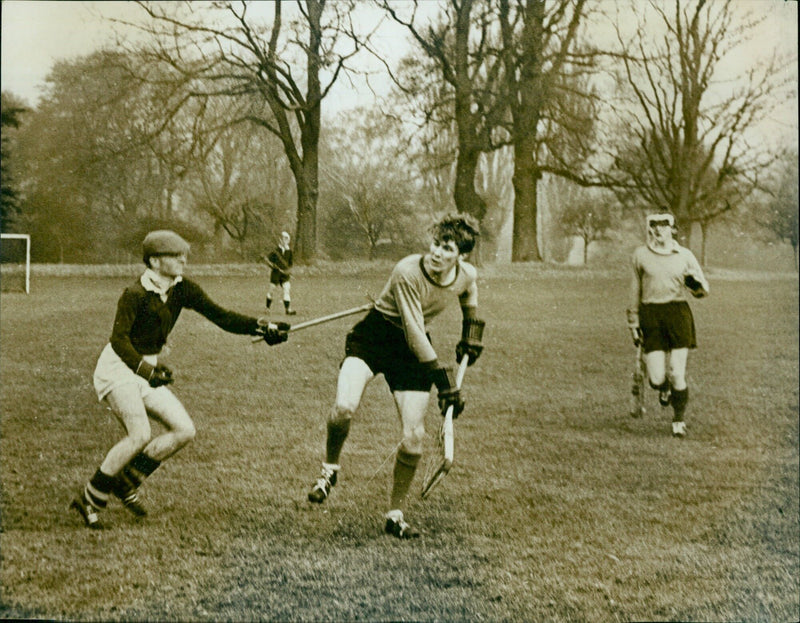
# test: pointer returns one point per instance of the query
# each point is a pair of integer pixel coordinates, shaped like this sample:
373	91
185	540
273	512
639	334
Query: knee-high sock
137	469
98	488
679	399
405	465
337	433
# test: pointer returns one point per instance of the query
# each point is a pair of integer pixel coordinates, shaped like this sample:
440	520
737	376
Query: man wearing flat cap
659	316
132	381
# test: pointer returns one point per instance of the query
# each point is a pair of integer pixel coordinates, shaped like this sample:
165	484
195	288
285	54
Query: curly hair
460	228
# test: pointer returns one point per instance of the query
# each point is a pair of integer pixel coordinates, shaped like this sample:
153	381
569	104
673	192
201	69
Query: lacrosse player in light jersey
659	316
392	339
132	381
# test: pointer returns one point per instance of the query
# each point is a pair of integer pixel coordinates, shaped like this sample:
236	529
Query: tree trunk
524	246
586	243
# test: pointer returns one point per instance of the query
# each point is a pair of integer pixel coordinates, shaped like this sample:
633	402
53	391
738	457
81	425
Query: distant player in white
392	339
659	316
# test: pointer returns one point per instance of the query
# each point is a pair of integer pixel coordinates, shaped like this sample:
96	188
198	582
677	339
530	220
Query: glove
273	332
691	282
636	334
449	394
157	375
471	336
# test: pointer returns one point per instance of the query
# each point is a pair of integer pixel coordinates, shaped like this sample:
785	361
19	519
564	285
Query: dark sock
337	433
97	489
679	399
287	305
269	302
139	468
405	465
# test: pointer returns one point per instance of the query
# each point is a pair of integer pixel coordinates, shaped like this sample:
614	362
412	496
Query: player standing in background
659	316
392	339
280	260
132	381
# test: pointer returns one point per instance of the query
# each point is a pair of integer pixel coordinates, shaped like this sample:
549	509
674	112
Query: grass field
560	507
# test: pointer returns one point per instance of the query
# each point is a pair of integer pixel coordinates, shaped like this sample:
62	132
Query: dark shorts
383	347
278	278
667	326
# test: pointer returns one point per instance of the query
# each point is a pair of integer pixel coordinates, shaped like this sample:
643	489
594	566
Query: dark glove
274	332
449	394
636	334
694	285
157	375
471	336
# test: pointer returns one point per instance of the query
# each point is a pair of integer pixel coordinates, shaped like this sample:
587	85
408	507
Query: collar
432	280
153	282
668	250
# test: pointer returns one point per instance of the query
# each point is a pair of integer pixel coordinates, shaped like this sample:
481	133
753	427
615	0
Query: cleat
397	527
679	429
87	512
322	488
291	312
132	503
664	396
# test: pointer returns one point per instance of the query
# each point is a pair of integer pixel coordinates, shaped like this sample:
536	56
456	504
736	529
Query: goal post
12	261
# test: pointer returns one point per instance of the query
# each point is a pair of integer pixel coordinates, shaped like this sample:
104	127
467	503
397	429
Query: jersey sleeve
693	268
225	319
634	291
121	332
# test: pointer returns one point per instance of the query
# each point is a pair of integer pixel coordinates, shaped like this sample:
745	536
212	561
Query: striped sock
98	488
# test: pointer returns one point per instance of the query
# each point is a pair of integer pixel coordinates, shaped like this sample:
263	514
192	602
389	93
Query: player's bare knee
340	414
412	442
185	434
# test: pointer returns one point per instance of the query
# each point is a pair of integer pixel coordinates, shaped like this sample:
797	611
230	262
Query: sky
37	33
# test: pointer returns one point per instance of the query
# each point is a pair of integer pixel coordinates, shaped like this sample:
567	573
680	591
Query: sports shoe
397	527
664	396
87	512
323	486
130	500
679	429
291	312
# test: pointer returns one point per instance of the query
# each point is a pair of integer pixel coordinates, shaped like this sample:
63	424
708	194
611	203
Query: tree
685	118
369	199
11	110
543	69
780	216
588	219
271	75
463	54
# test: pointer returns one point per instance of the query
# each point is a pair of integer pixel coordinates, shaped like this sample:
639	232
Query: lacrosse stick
323	319
637	389
445	441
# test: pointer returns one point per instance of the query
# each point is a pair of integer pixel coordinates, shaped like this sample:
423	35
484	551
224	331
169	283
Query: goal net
15	262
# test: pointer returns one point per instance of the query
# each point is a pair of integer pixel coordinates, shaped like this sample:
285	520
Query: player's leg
354	375
411	406
680	390
656	346
126	403
273	285
287	298
164	406
681	335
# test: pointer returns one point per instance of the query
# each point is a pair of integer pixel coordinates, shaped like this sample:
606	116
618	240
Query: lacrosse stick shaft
328	318
637	390
447	436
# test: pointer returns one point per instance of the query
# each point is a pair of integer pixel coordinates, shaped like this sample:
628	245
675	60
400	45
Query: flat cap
163	242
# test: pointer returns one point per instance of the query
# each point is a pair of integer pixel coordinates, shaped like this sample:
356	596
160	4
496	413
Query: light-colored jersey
659	278
411	299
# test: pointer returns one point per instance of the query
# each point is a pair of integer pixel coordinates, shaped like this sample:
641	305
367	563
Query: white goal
15	262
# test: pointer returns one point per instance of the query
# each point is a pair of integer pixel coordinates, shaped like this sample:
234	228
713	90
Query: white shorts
111	372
